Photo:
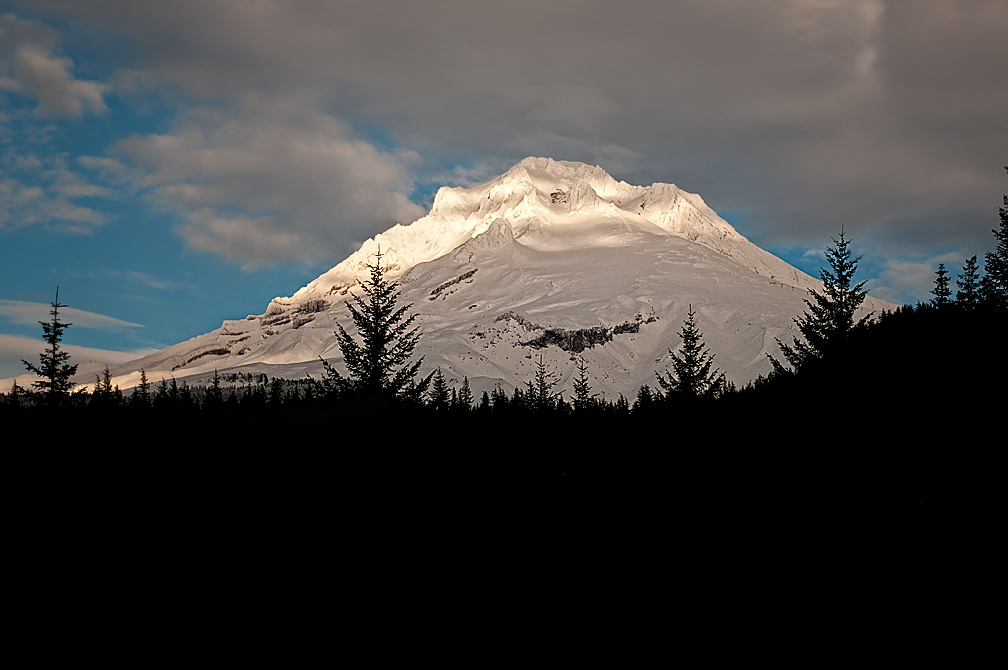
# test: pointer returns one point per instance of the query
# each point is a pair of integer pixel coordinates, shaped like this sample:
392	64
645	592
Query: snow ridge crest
533	193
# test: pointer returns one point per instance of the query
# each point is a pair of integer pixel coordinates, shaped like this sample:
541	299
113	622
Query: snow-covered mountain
552	257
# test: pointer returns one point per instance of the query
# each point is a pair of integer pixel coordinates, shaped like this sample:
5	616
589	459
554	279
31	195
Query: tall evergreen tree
994	285
104	395
53	368
941	291
465	396
645	400
968	295
540	391
439	397
830	318
498	399
141	398
380	365
583	398
691	374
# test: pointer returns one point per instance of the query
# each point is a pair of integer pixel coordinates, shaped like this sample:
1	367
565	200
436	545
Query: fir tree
994	285
645	400
583	398
379	366
439	391
214	394
691	374
830	319
498	399
141	398
17	395
540	390
941	291
53	368
968	295
465	396
104	395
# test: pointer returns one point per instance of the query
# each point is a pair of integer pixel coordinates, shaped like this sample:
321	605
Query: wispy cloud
19	311
48	79
277	183
14	348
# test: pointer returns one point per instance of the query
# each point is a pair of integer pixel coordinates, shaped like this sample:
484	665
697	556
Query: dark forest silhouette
901	400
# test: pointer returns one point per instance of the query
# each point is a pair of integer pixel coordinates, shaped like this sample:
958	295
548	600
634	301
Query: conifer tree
498	399
691	374
53	368
380	365
583	397
540	391
968	295
645	400
214	394
439	391
17	395
994	285
941	291
141	398
830	319
104	395
465	396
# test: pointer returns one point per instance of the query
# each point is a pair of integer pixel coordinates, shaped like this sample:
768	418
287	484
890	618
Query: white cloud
48	79
20	311
14	348
904	280
277	183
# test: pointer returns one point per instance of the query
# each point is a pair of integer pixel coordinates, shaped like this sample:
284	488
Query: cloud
808	115
48	79
24	204
274	184
26	49
20	311
14	348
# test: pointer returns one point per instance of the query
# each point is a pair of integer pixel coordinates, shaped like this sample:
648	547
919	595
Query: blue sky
172	165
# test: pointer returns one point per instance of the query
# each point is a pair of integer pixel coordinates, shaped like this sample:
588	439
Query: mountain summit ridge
551	258
534	189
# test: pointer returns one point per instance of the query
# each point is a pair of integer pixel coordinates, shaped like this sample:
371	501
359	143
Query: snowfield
554	258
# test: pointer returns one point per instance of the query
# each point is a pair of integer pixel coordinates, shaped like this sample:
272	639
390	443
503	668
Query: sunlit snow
548	245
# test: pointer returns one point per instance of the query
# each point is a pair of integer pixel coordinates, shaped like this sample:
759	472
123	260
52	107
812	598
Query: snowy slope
548	258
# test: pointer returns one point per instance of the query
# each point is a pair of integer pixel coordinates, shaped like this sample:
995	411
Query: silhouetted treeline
890	426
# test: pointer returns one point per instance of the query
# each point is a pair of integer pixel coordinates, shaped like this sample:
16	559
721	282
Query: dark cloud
799	115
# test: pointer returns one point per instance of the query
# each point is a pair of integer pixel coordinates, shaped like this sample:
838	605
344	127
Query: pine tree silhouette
583	398
53	368
968	295
691	374
540	391
994	285
830	319
379	366
941	291
439	391
465	396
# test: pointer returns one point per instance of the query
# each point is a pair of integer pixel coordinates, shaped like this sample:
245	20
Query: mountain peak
535	192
